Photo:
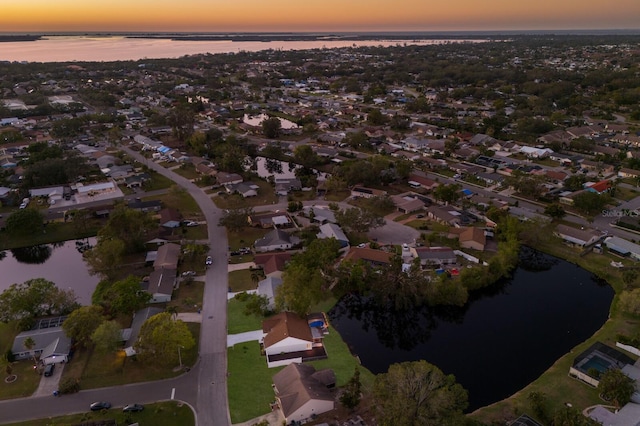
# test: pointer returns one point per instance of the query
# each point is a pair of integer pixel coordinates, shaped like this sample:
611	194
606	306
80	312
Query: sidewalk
240	266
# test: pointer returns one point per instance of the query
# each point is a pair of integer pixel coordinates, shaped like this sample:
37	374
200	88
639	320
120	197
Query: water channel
60	263
503	339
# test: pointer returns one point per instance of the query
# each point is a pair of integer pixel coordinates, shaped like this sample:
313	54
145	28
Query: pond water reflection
502	340
60	263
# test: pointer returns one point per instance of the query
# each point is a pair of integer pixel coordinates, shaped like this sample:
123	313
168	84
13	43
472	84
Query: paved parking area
49	384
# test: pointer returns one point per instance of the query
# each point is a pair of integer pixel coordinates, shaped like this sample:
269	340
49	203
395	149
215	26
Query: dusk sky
314	15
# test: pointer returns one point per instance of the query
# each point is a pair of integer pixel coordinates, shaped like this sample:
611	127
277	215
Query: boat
617	264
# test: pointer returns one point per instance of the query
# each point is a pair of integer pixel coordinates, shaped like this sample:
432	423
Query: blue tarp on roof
164	149
467	192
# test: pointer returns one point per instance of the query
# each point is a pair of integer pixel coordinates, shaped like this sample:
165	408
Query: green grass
179	199
246	237
558	387
237	321
188	298
301	196
53	232
26	383
168	413
241	280
199	232
96	370
625	194
157	181
266	195
187	170
335	196
249	383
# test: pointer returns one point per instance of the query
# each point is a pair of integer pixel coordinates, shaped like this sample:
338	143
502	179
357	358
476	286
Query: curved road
204	388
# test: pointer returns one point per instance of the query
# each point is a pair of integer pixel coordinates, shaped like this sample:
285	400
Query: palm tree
29	344
173	310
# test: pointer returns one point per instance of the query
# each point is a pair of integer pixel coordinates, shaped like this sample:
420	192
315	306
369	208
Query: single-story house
160	285
145	206
331	230
369	255
623	247
272	264
170	218
470	237
269	220
319	215
408	203
246	189
276	240
434	256
289	338
136	324
167	257
361	191
628	173
268	288
228	178
420	179
303	393
285	185
51	344
444	215
577	237
599	187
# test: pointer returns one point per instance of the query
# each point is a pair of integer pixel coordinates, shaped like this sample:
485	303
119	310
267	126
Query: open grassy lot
237	321
242	280
266	195
96	370
188	298
52	232
302	195
245	238
558	387
26	383
187	170
179	199
626	194
337	195
168	413
157	182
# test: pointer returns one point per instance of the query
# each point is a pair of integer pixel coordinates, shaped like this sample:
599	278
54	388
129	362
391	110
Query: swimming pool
597	363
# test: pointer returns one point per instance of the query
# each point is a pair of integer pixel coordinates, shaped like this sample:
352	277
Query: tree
105	258
358	220
447	193
107	337
418	393
33	298
81	323
629	276
630	301
590	202
128	225
236	219
29	344
161	337
351	392
616	386
304	155
181	119
271	127
555	211
24	222
124	296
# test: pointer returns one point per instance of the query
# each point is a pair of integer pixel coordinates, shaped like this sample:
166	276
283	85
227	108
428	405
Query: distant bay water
120	48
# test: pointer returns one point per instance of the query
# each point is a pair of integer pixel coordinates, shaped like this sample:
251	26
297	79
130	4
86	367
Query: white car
209	261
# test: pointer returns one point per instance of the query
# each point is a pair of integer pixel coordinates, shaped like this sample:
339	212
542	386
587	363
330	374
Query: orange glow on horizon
329	15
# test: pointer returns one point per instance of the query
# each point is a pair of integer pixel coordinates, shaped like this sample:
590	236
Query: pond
60	263
502	340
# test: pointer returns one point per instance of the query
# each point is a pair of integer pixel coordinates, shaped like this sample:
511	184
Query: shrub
69	385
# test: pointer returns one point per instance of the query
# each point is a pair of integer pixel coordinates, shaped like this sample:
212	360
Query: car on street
189	274
101	405
209	261
133	408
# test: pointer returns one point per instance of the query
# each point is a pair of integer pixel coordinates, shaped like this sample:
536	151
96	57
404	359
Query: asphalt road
204	388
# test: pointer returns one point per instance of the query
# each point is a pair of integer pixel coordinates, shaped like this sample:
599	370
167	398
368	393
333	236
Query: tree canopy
24	222
81	323
160	337
123	297
418	393
33	298
616	386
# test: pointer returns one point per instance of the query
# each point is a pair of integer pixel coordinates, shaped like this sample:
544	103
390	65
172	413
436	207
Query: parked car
133	408
48	370
189	274
101	405
209	261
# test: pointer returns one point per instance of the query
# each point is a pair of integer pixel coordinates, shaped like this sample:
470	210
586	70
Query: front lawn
335	196
179	199
187	170
26	383
96	370
266	195
241	280
246	237
188	297
168	413
237	321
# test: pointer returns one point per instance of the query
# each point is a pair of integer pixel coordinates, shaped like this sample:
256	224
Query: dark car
133	408
101	405
48	370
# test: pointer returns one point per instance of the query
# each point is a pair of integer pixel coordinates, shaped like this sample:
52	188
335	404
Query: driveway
249	336
49	384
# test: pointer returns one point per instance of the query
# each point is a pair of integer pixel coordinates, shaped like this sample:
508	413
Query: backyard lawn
168	413
250	380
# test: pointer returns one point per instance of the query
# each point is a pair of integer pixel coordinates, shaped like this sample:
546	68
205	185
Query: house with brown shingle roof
470	237
272	264
303	393
289	338
369	255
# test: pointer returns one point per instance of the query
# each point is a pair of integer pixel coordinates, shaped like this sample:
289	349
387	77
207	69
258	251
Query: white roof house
623	247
